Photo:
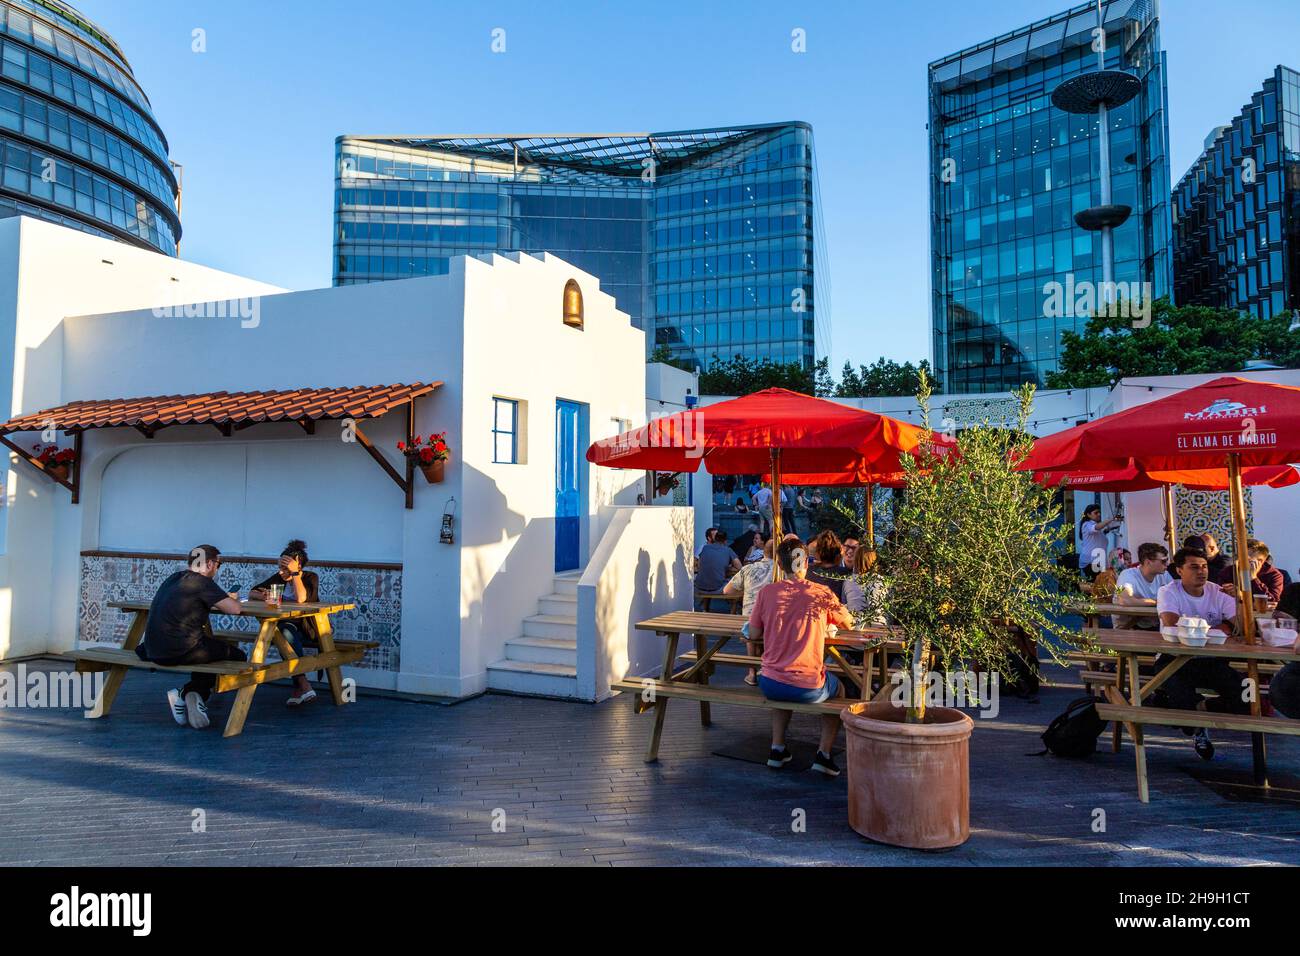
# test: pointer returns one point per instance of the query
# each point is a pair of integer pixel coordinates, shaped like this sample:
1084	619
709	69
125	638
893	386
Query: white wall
48	272
641	568
517	347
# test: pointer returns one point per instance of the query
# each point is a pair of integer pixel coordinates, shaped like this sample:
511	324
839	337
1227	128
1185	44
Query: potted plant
430	455
56	461
970	562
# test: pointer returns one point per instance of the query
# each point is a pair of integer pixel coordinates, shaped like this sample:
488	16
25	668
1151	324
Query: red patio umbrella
775	431
1230	422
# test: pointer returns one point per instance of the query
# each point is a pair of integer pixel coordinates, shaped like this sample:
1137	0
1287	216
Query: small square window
505	431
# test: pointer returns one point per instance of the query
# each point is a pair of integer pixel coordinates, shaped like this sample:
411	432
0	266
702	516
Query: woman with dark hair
827	567
1093	543
300	587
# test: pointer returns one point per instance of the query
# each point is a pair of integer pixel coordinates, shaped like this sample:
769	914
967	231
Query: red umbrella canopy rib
1194	429
736	437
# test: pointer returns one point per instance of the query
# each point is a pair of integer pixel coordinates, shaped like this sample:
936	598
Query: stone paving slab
386	781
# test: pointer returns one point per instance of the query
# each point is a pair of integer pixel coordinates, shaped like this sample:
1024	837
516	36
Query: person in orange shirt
791	618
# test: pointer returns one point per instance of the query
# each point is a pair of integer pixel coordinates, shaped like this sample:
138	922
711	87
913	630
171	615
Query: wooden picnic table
244	677
708	597
1128	645
692	681
1092	612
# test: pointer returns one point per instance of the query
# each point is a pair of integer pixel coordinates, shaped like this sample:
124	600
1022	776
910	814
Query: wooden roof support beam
308	425
148	431
31	459
224	427
384	463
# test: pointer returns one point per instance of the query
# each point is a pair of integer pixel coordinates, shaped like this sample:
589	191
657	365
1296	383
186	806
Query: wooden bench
647	689
1169	717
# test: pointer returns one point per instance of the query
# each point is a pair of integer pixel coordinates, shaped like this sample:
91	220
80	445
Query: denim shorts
790	694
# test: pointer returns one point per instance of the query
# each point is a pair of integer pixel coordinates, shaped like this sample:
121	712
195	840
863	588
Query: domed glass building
78	141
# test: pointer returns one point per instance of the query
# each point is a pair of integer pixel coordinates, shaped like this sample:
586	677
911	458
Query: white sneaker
196	710
177	706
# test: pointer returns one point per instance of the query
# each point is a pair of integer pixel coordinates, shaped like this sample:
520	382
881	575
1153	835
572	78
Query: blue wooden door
570	463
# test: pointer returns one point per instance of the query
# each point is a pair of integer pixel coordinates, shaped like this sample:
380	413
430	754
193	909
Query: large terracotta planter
909	784
57	472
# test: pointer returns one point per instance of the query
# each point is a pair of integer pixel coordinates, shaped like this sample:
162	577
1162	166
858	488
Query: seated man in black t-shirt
179	632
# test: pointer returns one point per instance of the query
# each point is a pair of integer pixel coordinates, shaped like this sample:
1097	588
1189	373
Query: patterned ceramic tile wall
1200	511
377	594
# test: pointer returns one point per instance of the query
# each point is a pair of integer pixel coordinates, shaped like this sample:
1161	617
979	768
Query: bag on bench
1075	732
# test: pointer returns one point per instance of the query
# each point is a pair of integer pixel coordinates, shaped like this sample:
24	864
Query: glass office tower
1237	210
1008	171
78	140
708	239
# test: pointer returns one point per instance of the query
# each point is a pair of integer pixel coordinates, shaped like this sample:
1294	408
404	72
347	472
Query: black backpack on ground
1075	732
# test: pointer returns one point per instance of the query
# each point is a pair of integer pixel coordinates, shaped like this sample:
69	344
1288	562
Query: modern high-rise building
1237	210
79	142
708	239
1008	173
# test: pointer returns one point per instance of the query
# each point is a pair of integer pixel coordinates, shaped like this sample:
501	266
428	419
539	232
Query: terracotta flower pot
909	784
433	471
57	472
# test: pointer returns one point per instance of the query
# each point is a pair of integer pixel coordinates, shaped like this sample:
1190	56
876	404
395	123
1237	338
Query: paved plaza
513	780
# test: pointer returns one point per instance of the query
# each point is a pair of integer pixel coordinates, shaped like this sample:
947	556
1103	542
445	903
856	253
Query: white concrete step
567	583
534	679
560	605
543	650
551	625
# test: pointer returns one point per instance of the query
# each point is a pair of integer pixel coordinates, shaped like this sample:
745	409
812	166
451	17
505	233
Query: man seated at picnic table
179	632
1265	580
1138	587
300	587
1192	594
717	563
791	617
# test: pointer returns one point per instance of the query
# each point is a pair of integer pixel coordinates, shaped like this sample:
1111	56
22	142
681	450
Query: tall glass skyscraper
1237	210
708	239
78	140
1008	171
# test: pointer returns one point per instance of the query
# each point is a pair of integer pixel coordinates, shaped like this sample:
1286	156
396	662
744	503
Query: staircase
543	662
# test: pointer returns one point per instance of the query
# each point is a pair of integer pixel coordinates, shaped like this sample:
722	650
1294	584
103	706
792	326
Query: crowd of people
1202	585
826	582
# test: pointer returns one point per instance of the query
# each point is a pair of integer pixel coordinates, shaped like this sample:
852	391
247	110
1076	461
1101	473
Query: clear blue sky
254	118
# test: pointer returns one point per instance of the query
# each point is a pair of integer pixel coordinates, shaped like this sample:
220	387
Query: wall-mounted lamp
447	535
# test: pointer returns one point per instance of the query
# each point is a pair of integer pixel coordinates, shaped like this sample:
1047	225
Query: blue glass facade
1008	171
78	141
706	238
1237	210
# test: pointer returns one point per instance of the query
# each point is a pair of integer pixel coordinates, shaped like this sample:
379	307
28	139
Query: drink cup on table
273	592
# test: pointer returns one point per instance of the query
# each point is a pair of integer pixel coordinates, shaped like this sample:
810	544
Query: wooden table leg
1117	732
868	665
113	682
325	634
661	702
244	696
1139	746
701	646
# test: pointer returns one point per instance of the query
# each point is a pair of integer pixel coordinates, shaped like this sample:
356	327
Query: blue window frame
505	431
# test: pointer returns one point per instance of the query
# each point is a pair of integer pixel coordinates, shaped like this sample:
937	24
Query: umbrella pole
1246	595
871	518
1167	505
776	512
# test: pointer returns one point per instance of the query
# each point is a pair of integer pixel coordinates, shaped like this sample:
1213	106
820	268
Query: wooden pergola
228	413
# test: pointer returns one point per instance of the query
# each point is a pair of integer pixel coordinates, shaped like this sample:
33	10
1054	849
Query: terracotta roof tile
224	408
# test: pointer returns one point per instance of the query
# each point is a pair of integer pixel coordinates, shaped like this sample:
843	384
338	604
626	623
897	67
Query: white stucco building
551	559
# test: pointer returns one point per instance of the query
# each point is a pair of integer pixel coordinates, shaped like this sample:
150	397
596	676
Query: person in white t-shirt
1194	595
1137	587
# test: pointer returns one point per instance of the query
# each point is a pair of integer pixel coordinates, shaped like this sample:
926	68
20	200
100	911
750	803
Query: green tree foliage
974	545
744	376
1179	340
885	377
664	355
